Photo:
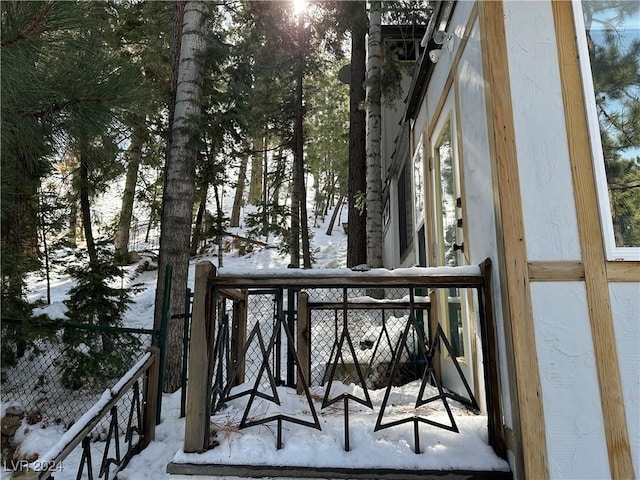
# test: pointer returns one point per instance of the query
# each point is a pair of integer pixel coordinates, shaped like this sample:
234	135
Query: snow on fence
138	432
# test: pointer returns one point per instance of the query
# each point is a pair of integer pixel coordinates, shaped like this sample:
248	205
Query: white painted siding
545	176
437	83
625	306
571	398
478	188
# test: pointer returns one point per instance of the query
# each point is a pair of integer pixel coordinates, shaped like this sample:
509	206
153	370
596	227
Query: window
448	203
448	235
610	57
418	181
405	223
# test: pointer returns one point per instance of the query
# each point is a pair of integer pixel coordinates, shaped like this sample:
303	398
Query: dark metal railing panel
136	434
386	314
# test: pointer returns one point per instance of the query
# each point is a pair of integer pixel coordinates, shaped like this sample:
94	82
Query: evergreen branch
624	186
35	27
57	107
628	136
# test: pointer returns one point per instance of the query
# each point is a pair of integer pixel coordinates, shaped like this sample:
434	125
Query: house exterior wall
625	305
466	87
525	159
478	182
574	426
543	158
572	406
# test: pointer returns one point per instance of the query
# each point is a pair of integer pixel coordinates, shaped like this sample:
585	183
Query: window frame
612	251
448	125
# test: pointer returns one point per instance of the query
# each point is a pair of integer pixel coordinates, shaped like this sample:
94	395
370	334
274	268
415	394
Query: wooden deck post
238	338
490	363
150	398
198	387
303	339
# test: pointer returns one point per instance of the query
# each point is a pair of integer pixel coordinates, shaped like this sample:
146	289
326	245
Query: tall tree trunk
255	186
121	242
219	225
85	208
374	174
73	221
334	215
304	226
265	188
318	200
45	247
153	209
237	199
177	211
357	236
297	182
197	228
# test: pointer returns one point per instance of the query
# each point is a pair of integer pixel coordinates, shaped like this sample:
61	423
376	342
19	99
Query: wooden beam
150	398
235	295
238	338
490	364
623	271
198	387
556	271
592	245
357	473
513	258
94	416
303	332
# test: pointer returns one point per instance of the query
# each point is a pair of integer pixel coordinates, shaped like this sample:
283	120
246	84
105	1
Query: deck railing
299	328
129	407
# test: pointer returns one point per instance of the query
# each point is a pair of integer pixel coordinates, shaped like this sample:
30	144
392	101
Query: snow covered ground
388	448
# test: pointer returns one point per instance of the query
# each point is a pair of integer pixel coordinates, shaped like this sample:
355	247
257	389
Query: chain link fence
56	376
374	332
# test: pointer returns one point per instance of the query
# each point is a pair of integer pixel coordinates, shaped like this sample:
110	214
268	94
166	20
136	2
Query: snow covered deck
280	406
311	453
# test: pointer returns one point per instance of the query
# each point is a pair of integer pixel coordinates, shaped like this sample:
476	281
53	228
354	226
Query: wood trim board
513	257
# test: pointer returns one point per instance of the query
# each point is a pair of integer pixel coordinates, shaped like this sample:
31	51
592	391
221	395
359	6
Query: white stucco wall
457	24
574	426
625	307
478	184
545	177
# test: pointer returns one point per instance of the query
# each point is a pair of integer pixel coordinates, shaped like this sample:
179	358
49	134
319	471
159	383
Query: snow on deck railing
470	275
464	271
46	464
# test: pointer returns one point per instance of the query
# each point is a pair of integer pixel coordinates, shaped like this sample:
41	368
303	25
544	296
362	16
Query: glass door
448	250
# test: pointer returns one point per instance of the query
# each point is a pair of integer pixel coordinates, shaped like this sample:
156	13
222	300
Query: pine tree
614	51
140	37
373	138
357	235
177	207
60	87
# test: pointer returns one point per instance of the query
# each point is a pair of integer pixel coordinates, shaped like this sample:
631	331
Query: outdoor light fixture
441	37
434	55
